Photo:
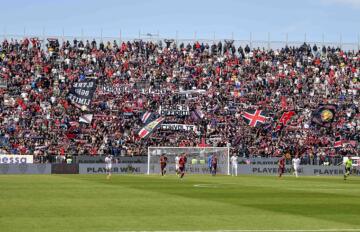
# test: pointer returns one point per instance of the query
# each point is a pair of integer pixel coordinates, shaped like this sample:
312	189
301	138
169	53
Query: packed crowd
220	80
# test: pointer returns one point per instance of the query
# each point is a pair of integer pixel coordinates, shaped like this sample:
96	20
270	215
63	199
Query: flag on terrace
324	115
86	118
197	115
285	118
338	141
147	116
150	127
254	117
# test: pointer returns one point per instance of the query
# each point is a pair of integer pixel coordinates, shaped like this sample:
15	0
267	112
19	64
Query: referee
348	166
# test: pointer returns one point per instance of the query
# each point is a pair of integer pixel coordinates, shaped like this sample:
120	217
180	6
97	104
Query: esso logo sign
16	159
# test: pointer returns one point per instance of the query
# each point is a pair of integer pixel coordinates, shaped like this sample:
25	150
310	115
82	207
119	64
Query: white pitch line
206	185
309	230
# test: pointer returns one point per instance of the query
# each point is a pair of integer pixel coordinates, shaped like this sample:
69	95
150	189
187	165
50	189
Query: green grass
69	203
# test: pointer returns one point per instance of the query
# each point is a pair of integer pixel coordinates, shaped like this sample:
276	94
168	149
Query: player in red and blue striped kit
182	162
281	166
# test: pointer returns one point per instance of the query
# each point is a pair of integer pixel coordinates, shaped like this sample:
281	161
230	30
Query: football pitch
90	203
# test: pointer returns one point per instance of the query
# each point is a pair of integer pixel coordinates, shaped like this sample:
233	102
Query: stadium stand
213	85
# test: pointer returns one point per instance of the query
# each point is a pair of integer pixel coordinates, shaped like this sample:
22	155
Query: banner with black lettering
174	110
178	127
82	92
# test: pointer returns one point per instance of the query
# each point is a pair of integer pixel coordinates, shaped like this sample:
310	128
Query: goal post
197	159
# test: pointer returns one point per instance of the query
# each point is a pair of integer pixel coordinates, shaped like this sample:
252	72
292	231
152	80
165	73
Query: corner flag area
90	203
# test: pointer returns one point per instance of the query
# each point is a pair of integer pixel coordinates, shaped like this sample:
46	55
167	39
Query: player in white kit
296	165
234	164
108	166
177	158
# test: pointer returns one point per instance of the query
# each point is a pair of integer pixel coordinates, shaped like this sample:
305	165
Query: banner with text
141	168
178	127
174	110
115	89
116	168
306	170
82	92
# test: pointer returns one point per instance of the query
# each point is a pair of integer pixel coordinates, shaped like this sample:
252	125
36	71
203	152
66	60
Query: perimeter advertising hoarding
141	168
25	168
16	159
305	170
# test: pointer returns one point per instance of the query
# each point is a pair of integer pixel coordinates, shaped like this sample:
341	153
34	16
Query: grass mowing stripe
315	230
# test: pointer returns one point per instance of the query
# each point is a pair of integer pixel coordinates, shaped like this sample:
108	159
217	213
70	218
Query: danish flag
254	117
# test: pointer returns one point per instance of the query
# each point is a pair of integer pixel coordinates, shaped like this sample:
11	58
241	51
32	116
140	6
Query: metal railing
253	43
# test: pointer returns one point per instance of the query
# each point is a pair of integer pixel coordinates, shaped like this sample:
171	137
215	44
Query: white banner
178	127
16	159
115	89
174	110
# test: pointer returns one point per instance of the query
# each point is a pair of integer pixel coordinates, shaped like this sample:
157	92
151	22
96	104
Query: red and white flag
86	118
285	118
338	141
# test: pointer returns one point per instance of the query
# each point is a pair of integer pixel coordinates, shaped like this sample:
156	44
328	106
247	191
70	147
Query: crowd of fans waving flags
82	92
86	97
